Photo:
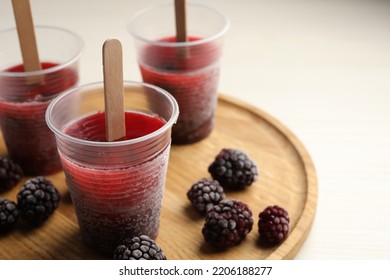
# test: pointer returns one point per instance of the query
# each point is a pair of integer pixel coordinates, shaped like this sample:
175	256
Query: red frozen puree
52	83
93	128
28	139
116	203
191	76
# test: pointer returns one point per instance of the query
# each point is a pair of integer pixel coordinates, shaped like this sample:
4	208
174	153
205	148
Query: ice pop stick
113	90
181	20
26	33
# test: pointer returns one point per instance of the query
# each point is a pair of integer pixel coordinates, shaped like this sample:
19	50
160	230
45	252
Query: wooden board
287	178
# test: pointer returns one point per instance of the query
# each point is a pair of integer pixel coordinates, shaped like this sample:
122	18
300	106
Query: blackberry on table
205	193
139	248
37	200
227	223
273	225
9	214
10	174
233	169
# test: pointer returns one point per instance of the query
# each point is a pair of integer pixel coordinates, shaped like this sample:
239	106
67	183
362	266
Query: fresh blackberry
139	248
10	174
233	169
37	200
8	214
227	223
273	225
205	193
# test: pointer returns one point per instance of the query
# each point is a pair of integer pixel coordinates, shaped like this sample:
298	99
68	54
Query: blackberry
10	174
205	193
273	225
9	214
233	169
227	223
37	200
139	248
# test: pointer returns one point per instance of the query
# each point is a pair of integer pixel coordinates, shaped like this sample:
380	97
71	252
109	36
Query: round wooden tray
287	178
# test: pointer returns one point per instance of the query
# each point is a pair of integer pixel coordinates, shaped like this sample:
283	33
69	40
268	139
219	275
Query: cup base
183	136
35	151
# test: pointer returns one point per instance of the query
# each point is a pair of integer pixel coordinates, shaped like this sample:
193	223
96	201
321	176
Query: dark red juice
23	103
113	203
191	75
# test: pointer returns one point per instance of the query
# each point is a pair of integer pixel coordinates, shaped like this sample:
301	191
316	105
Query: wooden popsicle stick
113	90
26	33
181	20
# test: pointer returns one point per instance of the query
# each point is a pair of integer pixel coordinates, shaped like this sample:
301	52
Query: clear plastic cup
188	70
116	187
24	96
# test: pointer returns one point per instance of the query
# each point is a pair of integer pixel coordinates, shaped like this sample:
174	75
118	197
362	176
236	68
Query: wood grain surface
287	178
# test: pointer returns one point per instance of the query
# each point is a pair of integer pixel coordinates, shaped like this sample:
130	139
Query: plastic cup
188	70
116	187
24	96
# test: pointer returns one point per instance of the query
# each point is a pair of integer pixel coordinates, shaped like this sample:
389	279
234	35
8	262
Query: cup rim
219	34
51	69
168	124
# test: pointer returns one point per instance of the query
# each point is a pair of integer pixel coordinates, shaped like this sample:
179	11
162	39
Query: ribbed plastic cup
24	96
116	187
188	70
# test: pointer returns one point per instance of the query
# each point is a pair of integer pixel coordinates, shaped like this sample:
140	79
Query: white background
199	270
322	67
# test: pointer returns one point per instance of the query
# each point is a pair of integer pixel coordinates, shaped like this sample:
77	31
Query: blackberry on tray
227	223
273	225
139	248
205	193
10	174
37	200
233	169
9	214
